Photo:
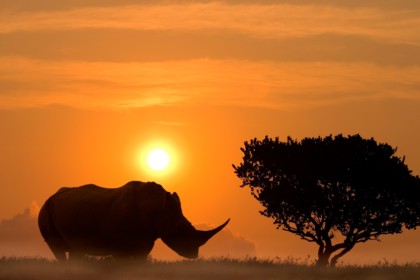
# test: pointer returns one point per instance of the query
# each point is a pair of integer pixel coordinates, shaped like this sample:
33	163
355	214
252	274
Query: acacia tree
320	188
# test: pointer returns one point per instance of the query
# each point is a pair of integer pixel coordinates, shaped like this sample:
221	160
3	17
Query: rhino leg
137	252
75	255
58	249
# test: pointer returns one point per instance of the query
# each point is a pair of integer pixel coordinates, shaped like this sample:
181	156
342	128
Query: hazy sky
86	87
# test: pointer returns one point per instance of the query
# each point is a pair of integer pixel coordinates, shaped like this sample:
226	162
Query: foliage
319	187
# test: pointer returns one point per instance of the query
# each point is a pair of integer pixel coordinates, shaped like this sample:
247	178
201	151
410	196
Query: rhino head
180	235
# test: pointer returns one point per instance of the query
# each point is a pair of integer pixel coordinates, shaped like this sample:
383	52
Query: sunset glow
107	92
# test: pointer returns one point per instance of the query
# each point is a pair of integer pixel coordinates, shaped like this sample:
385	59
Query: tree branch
317	227
338	247
305	236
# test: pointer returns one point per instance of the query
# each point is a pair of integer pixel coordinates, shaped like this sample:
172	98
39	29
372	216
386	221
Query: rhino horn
204	235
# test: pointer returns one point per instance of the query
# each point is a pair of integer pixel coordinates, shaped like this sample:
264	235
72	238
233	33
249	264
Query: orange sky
87	86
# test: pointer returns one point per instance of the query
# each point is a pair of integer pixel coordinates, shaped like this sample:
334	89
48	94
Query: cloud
224	244
169	123
105	54
265	21
227	243
19	236
276	85
150	46
51	5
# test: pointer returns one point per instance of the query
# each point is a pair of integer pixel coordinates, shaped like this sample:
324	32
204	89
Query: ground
30	268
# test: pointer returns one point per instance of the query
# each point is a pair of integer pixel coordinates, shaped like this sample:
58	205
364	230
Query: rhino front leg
138	252
75	255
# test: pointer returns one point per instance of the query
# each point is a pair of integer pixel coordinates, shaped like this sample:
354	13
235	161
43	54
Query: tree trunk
323	258
322	261
325	254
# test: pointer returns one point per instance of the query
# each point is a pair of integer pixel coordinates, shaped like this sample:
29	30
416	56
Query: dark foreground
218	269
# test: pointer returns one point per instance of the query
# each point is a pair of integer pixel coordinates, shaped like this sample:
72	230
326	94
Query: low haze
19	237
87	88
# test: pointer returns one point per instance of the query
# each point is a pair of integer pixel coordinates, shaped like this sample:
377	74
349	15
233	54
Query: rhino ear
173	201
176	197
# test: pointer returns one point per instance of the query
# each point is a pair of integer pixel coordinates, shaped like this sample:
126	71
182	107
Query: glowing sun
158	159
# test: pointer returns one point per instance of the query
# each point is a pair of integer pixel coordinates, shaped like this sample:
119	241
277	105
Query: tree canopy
320	187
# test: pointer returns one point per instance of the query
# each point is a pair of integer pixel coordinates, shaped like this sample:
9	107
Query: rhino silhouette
123	222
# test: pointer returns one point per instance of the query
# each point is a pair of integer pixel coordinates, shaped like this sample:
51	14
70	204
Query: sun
158	159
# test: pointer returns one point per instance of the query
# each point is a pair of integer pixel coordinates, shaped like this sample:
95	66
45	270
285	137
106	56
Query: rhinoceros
121	222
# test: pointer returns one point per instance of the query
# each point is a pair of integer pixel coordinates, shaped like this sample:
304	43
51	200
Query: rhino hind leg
57	247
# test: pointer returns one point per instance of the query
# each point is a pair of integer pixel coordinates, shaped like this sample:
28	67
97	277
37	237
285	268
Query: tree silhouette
322	187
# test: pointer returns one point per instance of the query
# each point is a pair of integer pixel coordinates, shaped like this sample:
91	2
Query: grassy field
218	269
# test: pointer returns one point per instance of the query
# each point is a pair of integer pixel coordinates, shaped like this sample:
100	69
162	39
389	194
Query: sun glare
158	159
